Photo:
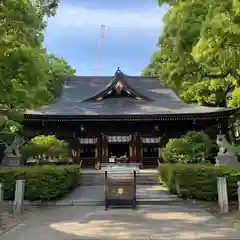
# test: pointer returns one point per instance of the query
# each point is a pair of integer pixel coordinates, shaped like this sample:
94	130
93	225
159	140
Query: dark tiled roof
77	89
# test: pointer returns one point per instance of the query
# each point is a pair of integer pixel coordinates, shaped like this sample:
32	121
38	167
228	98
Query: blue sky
132	30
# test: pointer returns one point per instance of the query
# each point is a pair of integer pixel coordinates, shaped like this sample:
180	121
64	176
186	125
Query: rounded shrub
194	147
44	149
177	151
41	182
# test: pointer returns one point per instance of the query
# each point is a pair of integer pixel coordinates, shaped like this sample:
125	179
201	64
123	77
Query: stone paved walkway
157	192
152	222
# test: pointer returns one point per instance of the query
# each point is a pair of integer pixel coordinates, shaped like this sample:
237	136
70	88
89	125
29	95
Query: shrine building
103	116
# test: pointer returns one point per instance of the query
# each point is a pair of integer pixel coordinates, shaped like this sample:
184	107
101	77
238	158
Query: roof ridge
74	77
121	78
135	76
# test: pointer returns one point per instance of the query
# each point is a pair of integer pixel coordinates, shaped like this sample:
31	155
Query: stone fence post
1	192
238	192
222	194
19	196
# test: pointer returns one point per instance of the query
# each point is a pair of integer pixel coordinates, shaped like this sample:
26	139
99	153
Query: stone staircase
96	178
147	177
92	178
91	190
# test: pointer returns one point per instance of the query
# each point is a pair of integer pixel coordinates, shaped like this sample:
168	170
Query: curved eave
153	117
103	91
134	92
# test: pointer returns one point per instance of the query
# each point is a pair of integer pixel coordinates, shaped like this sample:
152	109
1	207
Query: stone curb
167	201
171	201
4	230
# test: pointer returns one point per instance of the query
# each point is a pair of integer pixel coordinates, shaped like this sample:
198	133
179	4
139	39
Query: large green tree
29	77
199	50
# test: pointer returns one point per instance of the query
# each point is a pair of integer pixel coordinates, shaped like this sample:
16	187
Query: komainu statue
227	154
13	149
223	145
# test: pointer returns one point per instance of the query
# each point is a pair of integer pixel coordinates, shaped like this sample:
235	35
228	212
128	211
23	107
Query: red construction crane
97	61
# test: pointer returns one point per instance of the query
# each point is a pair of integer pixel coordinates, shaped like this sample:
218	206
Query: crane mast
97	61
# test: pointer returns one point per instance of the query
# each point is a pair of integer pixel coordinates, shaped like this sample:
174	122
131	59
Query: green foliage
235	99
41	183
2	121
50	10
43	148
177	151
194	147
200	142
58	68
29	76
11	126
199	50
9	130
199	181
23	62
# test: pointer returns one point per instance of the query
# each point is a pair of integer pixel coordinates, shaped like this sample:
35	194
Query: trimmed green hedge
42	182
195	181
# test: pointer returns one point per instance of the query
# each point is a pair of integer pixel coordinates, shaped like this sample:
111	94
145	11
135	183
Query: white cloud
72	17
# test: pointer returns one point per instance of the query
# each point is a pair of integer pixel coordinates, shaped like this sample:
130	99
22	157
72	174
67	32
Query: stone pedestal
12	161
226	159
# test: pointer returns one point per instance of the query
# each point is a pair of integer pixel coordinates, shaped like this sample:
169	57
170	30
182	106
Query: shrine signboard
120	189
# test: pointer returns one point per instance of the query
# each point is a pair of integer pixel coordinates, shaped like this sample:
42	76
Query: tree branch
223	75
52	4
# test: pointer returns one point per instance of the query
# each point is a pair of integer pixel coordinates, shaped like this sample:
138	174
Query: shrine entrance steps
96	177
91	177
91	190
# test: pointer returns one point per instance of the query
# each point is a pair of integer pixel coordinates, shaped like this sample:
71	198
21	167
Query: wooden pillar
98	152
79	152
139	148
141	151
159	148
104	148
75	150
133	148
130	147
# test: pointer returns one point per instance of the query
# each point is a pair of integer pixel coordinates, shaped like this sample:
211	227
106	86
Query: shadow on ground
152	222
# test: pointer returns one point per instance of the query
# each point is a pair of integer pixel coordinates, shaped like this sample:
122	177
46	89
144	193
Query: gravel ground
7	220
147	222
